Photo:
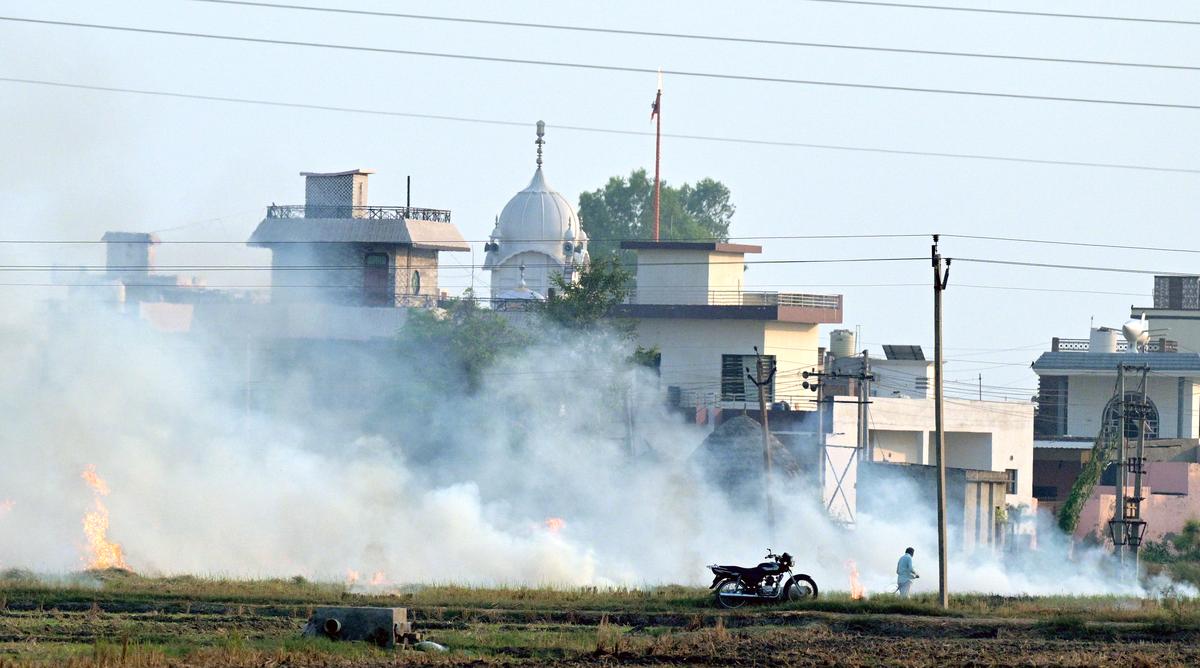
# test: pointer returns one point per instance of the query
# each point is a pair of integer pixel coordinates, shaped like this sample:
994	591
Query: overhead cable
1011	12
609	131
610	68
692	36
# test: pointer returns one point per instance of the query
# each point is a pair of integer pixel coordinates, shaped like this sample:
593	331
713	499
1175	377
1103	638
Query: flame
555	524
103	552
6	505
351	576
856	589
378	579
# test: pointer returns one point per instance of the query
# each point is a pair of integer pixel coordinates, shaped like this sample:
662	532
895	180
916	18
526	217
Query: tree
624	209
471	338
603	283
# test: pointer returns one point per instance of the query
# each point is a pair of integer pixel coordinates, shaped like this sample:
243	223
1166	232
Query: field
118	619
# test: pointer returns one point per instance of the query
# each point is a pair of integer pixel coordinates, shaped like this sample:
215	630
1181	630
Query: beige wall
692	349
672	277
985	435
1088	394
667	276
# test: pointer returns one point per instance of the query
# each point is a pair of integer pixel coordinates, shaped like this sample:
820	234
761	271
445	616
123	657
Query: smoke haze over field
423	483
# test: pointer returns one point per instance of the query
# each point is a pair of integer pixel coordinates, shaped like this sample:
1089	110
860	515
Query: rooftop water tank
1103	340
841	343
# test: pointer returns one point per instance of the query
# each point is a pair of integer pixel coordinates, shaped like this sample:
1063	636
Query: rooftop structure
537	236
336	248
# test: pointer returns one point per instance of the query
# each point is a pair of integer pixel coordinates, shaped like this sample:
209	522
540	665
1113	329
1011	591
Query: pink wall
1164	513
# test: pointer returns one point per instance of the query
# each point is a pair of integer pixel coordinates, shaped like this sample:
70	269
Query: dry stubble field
119	619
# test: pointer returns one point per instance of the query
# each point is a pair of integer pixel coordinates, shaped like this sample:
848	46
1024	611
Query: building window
1012	480
416	283
735	386
1112	415
1041	492
1050	420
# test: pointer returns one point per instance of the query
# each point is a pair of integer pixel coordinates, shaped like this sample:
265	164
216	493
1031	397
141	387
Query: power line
356	267
1075	267
609	131
1011	12
1080	244
608	68
805	237
694	36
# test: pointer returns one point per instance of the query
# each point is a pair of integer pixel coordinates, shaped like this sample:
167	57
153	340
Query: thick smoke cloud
420	481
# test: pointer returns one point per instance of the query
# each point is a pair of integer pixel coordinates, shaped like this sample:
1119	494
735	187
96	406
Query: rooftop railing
357	212
740	298
1063	345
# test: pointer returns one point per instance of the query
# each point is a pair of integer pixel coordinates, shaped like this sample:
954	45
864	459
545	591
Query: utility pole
940	279
864	396
1119	511
762	382
656	116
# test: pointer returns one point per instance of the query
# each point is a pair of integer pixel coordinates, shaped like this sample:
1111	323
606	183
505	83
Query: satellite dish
1137	333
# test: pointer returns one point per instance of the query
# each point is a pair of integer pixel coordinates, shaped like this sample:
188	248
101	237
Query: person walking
905	573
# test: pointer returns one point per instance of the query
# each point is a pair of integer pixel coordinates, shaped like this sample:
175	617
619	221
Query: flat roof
345	173
711	246
1108	362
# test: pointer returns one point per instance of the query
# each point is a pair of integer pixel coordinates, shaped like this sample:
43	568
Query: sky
77	163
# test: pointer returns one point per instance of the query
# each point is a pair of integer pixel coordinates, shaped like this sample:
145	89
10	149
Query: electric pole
762	383
940	279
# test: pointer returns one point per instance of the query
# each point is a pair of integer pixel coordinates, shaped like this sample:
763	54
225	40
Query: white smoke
427	482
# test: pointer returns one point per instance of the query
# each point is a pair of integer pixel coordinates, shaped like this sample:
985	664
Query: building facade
690	304
336	248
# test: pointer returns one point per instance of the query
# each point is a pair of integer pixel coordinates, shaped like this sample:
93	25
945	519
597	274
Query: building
537	236
976	510
338	249
1176	311
690	303
1079	394
1077	390
988	441
1171	490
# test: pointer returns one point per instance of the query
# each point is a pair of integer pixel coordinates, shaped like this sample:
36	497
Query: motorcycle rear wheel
727	587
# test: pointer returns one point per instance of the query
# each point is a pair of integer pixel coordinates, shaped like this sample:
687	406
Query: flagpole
657	154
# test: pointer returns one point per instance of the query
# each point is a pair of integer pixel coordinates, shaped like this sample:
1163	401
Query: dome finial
541	132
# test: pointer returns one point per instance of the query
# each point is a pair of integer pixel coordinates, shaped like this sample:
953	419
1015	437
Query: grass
116	618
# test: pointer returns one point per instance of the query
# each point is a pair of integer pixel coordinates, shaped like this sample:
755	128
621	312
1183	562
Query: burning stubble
102	553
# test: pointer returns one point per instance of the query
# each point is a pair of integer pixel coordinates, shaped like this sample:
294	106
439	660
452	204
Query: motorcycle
771	581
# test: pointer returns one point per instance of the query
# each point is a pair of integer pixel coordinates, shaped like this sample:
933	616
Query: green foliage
473	338
602	284
1187	541
624	209
1068	515
648	357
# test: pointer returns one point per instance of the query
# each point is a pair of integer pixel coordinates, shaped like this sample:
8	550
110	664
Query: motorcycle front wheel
801	587
725	600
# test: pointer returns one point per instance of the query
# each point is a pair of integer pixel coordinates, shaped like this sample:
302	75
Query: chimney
129	254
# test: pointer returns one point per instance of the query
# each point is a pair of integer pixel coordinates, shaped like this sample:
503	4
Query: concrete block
382	626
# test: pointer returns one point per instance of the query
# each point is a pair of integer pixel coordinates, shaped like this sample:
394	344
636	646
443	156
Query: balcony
357	212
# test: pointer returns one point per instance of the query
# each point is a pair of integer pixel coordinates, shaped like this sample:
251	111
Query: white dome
537	219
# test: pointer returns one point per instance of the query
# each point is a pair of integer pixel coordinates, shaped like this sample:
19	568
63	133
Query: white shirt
904	569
